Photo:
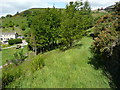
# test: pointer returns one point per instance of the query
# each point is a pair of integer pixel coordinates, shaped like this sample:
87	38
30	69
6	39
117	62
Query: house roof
5	33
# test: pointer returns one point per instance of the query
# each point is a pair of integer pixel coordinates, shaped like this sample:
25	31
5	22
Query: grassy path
69	69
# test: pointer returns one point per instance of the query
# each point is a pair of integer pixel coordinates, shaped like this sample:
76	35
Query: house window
1	38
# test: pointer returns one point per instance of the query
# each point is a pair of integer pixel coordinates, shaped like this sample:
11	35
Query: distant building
4	37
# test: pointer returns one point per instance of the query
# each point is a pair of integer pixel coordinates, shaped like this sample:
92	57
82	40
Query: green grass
8	54
10	30
17	20
68	69
0	58
98	14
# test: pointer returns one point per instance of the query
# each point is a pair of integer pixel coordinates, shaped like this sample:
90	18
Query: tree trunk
35	50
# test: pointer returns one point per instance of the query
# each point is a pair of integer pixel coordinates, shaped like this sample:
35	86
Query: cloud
12	6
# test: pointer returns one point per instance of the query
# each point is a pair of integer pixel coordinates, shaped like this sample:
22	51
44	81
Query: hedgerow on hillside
107	44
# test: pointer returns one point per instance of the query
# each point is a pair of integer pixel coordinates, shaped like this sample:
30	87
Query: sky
13	6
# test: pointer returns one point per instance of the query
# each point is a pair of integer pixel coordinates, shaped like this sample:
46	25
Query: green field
68	69
98	14
17	20
8	54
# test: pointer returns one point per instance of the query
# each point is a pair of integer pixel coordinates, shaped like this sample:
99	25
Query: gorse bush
14	41
107	44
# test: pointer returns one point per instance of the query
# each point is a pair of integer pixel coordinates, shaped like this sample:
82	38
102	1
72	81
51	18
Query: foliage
5	45
15	21
10	56
19	57
8	16
107	44
44	31
97	15
26	13
70	66
37	63
117	8
23	27
11	24
14	41
17	13
54	28
76	19
10	74
107	33
2	17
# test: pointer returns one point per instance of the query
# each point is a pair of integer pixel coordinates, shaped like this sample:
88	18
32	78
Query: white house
4	37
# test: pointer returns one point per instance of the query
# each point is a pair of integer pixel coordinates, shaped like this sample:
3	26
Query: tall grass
13	72
68	69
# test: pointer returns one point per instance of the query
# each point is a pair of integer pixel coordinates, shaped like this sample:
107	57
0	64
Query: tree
88	19
8	15
2	17
44	30
76	19
17	13
55	27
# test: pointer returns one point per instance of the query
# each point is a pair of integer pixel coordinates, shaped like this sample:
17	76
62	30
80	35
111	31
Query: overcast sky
12	6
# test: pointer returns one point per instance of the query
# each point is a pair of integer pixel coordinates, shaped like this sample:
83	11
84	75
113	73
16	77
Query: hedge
14	41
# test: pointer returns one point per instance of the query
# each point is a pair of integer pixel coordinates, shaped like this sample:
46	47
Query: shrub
13	72
8	15
14	41
107	47
19	57
11	24
10	74
17	41
23	27
37	63
11	42
17	25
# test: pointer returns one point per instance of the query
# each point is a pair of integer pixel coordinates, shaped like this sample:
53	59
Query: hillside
13	24
69	69
20	24
75	48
